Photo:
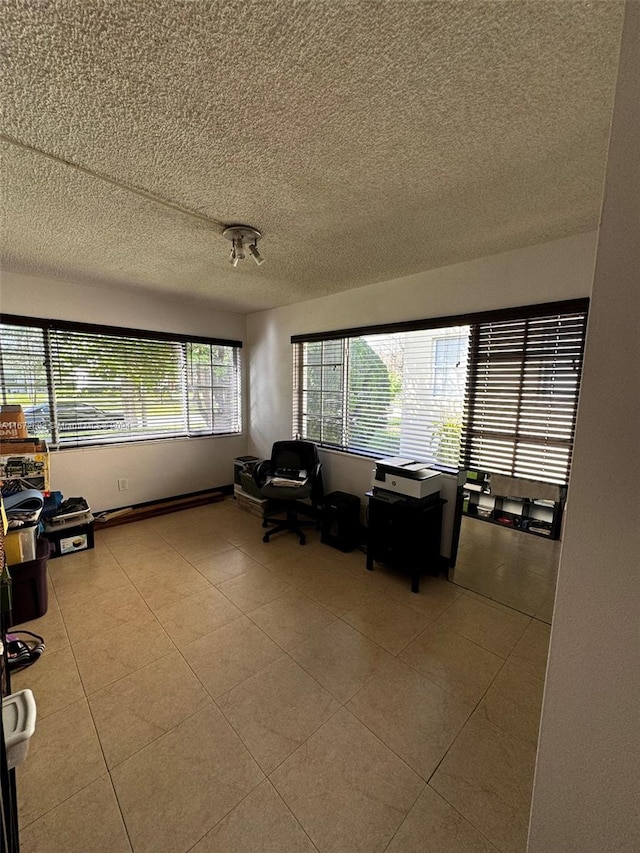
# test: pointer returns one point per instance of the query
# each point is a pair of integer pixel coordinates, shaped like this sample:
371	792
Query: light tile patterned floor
203	691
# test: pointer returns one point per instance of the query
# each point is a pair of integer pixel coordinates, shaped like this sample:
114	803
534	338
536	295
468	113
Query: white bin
19	722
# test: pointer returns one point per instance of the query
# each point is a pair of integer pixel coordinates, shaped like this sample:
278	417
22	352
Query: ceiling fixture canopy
243	237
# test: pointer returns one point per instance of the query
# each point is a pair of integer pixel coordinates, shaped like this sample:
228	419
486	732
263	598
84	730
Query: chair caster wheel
265	523
303	541
265	538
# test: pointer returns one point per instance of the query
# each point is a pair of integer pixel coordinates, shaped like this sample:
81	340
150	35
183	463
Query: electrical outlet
123	484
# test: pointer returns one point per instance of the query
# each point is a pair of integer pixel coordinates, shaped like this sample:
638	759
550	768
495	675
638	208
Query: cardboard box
254	506
12	422
31	469
13	446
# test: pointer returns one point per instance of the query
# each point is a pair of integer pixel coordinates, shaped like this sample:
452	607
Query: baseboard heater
125	515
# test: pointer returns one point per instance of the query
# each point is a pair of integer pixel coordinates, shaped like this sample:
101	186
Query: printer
405	477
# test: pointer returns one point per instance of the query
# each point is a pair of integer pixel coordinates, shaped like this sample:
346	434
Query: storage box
255	506
31	469
20	545
69	538
19	724
249	486
243	463
29	591
12	446
12	422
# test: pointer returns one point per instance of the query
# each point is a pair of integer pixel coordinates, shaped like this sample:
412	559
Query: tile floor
203	691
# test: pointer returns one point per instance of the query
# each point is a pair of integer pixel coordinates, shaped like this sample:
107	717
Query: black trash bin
341	521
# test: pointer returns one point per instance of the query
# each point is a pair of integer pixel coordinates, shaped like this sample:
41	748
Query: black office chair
293	474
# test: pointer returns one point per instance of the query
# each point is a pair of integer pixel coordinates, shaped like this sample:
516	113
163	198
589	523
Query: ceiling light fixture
243	236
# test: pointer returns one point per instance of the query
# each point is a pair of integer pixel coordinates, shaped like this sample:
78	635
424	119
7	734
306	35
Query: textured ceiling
367	140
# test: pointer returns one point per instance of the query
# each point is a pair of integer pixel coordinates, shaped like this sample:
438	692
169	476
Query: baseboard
150	509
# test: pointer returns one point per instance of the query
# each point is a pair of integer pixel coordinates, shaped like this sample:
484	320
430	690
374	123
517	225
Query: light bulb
257	257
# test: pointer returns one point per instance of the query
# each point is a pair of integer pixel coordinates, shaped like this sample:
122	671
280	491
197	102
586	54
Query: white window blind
495	392
91	385
384	394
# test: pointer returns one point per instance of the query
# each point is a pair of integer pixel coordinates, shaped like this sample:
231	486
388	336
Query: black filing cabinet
405	533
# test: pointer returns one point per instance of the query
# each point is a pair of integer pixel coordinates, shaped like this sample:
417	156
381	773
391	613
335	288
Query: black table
404	533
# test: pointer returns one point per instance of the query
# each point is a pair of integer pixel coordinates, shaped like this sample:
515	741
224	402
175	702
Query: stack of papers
284	477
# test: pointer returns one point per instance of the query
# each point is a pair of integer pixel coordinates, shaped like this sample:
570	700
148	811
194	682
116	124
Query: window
495	391
322	387
82	385
450	362
376	394
520	409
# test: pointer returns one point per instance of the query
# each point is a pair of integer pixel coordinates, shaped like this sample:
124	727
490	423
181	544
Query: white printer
405	477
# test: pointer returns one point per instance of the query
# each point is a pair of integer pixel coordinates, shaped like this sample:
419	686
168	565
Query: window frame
476	319
125	334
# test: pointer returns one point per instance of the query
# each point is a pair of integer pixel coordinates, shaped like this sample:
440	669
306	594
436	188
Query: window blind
392	394
83	385
522	395
495	391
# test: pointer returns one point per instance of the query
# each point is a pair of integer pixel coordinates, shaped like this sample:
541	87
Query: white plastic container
19	722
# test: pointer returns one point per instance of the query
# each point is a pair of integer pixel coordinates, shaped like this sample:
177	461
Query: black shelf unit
404	533
532	516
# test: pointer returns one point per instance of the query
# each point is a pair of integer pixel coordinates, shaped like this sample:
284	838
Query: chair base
291	523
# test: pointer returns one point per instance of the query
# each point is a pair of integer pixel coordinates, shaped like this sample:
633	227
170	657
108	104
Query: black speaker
341	521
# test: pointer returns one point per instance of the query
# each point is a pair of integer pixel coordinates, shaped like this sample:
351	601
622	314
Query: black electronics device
341	521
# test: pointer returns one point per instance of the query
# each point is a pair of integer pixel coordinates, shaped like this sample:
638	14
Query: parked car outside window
72	417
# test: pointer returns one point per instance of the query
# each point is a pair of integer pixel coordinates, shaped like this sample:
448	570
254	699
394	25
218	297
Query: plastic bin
29	590
66	538
19	723
243	464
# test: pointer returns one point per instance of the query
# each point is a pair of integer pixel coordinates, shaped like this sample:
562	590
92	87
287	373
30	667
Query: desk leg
369	561
415	582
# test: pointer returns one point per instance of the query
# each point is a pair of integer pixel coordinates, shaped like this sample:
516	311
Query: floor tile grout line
446	690
24	825
121	812
471	713
92	781
466	820
300	744
408	812
460	634
283	801
162	734
104	758
388	747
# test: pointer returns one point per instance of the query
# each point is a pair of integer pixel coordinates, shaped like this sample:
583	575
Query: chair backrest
294	455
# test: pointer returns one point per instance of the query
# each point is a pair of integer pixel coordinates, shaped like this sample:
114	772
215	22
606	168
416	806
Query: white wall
587	778
154	469
562	269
